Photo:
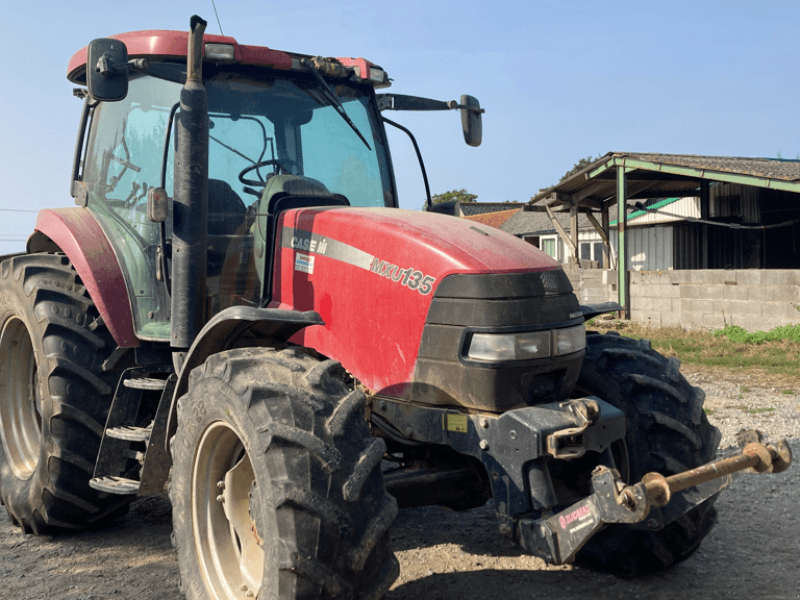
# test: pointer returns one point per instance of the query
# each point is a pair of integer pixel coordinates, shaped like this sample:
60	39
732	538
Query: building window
548	246
592	251
598	254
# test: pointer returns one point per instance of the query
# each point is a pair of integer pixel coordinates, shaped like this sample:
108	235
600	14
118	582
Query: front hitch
558	538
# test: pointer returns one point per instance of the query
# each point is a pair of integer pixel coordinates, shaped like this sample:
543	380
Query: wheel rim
20	404
230	557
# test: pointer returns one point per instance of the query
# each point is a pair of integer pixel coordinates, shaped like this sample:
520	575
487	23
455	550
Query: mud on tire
668	432
276	484
55	396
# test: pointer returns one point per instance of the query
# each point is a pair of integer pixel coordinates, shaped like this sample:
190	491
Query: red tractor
238	310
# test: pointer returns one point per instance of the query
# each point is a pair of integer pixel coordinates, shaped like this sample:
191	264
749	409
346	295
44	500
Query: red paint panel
261	55
159	43
373	324
80	237
363	65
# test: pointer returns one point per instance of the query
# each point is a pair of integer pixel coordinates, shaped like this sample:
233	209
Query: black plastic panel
505	285
495	302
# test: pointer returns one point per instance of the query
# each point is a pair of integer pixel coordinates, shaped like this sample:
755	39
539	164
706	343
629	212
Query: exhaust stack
190	205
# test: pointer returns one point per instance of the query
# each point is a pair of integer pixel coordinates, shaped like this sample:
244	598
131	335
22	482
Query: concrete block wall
757	300
592	285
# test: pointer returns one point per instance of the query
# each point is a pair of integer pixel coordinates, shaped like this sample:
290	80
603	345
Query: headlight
569	340
527	345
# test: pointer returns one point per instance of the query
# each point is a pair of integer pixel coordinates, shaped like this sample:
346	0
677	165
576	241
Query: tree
581	164
461	195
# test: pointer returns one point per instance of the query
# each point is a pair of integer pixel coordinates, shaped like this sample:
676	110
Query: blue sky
560	80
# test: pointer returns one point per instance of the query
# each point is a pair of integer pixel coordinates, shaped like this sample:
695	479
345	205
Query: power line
214	4
18	210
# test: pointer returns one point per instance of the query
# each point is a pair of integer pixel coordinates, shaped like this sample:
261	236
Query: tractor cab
319	137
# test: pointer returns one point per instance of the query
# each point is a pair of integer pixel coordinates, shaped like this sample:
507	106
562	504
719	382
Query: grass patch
744	389
755	411
721	349
742	336
709	411
788	392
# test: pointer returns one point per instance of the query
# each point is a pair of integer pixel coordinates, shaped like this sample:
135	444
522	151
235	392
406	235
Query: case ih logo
573	516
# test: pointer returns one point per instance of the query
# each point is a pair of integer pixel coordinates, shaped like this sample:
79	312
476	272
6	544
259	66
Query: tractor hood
372	274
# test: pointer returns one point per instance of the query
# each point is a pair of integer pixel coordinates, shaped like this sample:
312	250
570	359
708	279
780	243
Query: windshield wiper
330	98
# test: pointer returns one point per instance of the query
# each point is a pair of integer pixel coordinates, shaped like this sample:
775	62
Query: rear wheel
276	484
668	432
54	396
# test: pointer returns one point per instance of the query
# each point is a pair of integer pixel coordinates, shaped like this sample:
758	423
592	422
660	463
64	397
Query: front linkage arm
514	448
559	537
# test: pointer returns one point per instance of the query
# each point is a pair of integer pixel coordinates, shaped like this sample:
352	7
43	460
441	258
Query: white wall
649	248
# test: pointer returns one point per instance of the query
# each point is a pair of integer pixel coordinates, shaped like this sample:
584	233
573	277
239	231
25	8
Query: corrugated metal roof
668	175
773	168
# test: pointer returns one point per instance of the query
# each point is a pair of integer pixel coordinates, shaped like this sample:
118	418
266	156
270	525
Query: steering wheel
279	166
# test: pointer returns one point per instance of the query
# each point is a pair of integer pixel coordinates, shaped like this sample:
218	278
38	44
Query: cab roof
156	44
162	44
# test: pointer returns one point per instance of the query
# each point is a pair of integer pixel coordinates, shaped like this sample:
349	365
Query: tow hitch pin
761	458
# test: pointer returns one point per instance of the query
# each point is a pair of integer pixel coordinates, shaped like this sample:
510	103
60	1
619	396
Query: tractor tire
276	485
54	397
668	432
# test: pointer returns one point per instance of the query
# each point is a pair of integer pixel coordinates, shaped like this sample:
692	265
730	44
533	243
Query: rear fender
76	233
226	329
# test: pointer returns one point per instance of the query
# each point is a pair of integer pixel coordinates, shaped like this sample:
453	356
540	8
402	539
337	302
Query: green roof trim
639	213
631	164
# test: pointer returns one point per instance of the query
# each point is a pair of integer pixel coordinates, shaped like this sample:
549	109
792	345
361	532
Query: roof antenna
214	4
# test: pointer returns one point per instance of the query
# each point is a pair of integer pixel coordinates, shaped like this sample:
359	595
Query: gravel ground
752	553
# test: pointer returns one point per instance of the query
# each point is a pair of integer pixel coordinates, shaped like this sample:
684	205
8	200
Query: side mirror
471	121
107	70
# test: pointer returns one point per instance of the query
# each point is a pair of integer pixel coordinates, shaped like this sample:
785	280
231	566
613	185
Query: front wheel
668	432
276	484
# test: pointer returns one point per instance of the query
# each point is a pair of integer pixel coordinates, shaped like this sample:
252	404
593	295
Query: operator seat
283	192
226	226
226	210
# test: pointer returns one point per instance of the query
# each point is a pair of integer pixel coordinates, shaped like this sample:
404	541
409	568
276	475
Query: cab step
131	434
115	485
145	383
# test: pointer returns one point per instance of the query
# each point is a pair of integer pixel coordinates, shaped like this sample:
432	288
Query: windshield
288	127
259	126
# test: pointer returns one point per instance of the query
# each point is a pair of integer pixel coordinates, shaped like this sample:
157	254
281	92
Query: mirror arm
417	103
453	105
107	68
419	157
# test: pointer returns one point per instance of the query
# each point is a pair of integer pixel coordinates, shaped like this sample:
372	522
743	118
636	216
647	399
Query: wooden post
562	234
573	226
604	221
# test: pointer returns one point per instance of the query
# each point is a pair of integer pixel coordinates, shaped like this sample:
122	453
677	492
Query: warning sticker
576	516
304	263
457	423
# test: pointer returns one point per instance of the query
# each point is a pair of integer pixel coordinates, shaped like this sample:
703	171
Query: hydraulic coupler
558	538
